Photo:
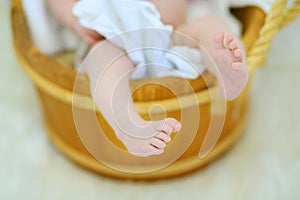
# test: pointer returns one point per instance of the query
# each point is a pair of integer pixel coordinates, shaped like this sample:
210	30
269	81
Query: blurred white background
264	164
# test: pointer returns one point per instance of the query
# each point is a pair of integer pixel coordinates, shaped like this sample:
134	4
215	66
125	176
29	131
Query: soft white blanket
48	36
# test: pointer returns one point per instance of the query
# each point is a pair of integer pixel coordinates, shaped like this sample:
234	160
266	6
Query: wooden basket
54	84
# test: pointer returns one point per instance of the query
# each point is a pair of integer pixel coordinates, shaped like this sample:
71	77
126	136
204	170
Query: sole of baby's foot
231	69
153	145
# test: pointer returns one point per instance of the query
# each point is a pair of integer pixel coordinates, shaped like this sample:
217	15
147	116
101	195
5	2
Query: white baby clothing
136	27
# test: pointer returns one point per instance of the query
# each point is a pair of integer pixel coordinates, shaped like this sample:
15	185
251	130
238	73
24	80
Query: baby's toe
167	128
157	152
157	143
229	39
173	123
233	45
238	54
163	136
154	150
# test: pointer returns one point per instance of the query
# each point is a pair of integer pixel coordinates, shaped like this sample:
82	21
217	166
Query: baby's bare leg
172	11
110	86
62	11
108	69
226	60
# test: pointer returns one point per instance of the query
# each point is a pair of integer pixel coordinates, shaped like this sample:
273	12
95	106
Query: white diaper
135	26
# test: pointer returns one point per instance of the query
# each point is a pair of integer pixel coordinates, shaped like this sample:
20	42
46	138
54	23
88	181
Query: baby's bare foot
153	145
231	72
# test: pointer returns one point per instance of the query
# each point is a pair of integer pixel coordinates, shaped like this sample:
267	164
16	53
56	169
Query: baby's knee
173	12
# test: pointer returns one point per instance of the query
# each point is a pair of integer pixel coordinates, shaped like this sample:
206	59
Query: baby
224	57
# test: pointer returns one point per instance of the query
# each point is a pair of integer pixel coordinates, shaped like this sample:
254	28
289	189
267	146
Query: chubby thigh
172	12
